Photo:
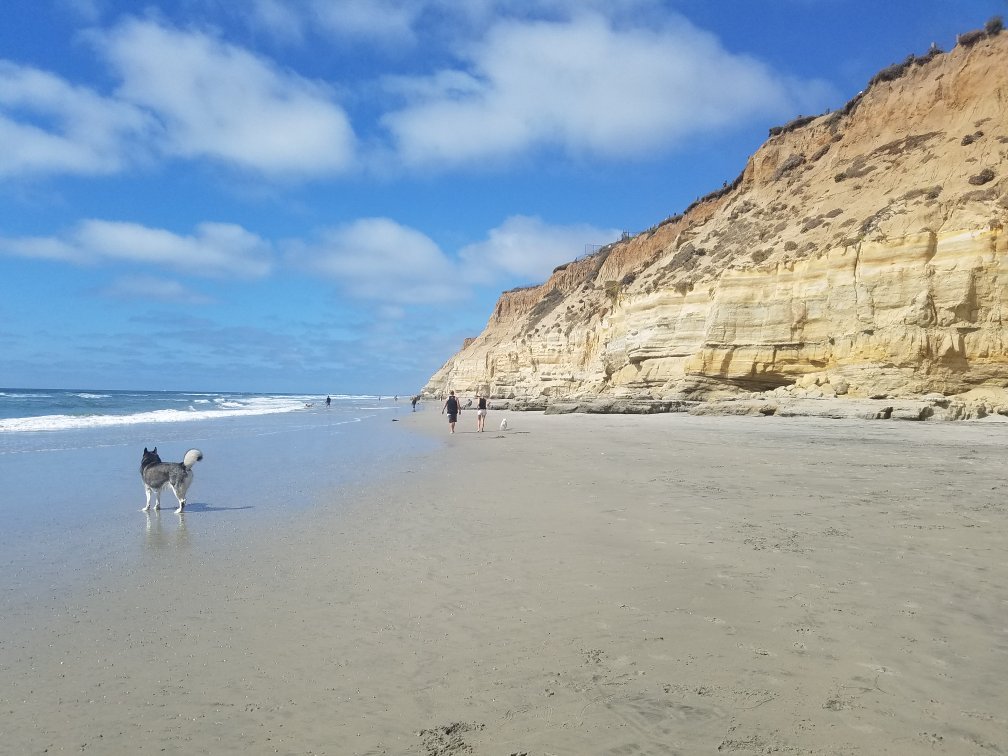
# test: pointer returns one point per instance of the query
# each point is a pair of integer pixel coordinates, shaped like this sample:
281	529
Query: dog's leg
157	499
147	508
181	499
180	489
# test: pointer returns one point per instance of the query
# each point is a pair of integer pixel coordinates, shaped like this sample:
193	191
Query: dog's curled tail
192	457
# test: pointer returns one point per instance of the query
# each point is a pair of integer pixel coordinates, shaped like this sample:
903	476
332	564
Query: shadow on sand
199	507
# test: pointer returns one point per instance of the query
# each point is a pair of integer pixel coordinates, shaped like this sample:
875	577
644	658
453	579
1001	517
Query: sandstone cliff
861	253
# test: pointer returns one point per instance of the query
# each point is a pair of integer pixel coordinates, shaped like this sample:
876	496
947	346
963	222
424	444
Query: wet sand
575	585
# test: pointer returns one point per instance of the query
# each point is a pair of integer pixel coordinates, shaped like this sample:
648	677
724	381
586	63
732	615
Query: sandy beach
574	585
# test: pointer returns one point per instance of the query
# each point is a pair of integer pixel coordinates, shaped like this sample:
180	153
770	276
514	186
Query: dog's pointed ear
145	450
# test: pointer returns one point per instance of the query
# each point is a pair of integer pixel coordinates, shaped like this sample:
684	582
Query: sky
328	196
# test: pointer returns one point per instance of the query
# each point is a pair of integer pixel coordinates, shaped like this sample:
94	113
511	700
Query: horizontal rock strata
861	254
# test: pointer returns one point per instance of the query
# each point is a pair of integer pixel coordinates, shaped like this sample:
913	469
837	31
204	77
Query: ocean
36	420
58	409
70	489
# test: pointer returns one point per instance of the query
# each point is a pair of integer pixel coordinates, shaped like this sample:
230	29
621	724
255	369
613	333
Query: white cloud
42	248
182	94
526	247
386	21
585	86
362	23
545	76
220	101
216	249
379	259
371	259
390	313
405	22
392	25
48	125
282	20
88	10
153	288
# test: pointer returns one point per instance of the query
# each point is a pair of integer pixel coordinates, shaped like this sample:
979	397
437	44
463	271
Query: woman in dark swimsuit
481	410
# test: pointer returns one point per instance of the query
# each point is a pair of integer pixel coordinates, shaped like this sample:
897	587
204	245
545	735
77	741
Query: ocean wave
92	396
255	406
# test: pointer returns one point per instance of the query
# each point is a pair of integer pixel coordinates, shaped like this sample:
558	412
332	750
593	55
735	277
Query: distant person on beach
414	400
451	406
328	401
481	410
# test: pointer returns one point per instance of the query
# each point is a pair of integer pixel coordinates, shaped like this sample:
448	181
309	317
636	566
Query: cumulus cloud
182	94
528	248
582	78
215	249
48	125
584	85
371	259
380	259
221	101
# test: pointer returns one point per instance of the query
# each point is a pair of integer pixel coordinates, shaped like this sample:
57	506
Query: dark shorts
452	418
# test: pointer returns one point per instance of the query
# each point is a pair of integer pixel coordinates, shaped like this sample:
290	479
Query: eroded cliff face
863	252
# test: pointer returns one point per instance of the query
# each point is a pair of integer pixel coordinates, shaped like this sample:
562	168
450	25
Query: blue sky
329	195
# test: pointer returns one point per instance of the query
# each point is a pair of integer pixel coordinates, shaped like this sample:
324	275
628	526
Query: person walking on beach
481	410
328	401
414	400
451	406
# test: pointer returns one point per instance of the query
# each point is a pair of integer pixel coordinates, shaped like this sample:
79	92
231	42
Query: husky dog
178	475
504	424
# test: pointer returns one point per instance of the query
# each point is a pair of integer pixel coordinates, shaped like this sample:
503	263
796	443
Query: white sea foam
267	405
92	396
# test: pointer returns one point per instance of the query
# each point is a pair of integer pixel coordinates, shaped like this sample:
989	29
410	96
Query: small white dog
504	424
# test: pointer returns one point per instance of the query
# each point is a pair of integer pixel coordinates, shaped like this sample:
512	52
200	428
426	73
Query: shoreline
577	584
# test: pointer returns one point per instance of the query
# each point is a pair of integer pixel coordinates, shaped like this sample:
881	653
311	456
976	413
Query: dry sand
576	585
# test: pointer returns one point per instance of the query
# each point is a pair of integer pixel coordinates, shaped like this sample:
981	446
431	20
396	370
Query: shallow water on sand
71	499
